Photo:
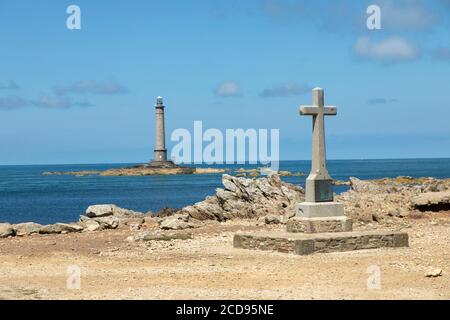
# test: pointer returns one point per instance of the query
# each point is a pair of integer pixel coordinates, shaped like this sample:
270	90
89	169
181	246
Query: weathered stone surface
320	210
432	201
60	228
247	198
26	229
176	222
91	225
433	272
6	230
157	236
319	225
380	200
151	222
100	210
304	244
104	210
110	222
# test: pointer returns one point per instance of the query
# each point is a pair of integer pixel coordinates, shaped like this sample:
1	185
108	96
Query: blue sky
87	96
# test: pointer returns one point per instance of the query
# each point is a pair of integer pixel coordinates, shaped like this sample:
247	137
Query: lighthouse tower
160	151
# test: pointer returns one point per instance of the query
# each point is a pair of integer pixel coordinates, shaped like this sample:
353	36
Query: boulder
433	272
6	230
91	225
247	198
151	222
273	219
100	210
99	223
176	222
26	229
60	228
105	210
108	222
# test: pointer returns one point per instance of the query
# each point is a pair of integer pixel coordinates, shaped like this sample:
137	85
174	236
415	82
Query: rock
397	198
126	213
177	222
151	222
432	201
60	228
247	198
272	219
100	210
364	186
108	222
433	273
6	230
156	236
105	210
166	212
26	229
91	225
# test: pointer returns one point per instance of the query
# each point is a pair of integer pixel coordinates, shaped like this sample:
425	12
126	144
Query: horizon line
194	164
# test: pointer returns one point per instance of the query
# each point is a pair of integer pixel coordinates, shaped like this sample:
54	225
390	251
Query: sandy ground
208	267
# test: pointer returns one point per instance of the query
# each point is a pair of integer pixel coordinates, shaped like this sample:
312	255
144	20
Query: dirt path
208	267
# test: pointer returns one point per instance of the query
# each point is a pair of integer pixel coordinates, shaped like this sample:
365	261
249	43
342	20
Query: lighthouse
160	150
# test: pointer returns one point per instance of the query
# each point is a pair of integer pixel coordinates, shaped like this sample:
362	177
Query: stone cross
319	183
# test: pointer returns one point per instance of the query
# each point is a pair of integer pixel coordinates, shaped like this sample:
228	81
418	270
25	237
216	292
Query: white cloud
229	89
284	90
389	50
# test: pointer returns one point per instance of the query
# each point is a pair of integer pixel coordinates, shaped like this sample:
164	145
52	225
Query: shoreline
189	253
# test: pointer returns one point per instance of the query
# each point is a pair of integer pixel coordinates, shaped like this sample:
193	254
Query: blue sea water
27	195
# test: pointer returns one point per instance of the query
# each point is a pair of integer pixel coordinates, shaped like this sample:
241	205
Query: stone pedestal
305	244
319	225
319	209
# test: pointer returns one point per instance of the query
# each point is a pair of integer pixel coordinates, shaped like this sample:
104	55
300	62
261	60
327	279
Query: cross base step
319	225
305	244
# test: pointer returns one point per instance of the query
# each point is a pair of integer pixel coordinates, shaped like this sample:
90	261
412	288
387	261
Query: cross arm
308	110
330	111
313	110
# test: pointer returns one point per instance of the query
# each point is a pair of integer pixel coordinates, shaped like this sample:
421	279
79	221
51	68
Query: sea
26	195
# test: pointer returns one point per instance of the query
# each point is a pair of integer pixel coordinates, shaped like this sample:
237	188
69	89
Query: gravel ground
208	267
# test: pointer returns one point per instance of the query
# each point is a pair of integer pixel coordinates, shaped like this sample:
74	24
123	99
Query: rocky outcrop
376	200
104	210
6	230
26	229
99	223
432	201
177	222
60	228
247	198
